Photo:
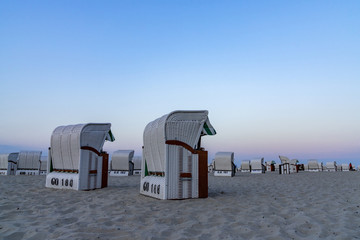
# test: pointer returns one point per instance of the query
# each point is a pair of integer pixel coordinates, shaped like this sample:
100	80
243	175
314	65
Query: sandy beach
248	206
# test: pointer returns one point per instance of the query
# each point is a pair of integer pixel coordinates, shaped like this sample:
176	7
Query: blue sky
278	77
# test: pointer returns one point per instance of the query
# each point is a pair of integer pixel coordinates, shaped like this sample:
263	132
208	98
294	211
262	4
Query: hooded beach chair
121	163
257	165
330	166
28	163
174	164
76	159
224	164
292	165
245	166
345	167
270	166
313	165
4	164
8	163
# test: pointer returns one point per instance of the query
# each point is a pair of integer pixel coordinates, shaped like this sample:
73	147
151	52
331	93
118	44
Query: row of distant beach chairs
173	163
123	163
223	165
23	163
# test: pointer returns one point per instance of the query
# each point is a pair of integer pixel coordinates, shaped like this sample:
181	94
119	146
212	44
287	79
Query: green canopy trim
208	128
110	137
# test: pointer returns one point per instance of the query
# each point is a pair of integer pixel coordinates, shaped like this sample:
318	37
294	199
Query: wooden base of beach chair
3	172
137	172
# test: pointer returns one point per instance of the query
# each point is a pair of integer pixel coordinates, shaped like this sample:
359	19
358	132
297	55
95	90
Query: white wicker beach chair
313	165
291	168
257	165
174	164
245	166
331	166
224	164
8	163
28	163
270	166
121	163
4	164
76	160
345	167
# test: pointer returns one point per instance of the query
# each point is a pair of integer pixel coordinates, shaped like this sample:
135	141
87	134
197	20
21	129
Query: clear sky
278	77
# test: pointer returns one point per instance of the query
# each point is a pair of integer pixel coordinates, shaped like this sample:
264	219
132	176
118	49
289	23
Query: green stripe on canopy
208	128
110	137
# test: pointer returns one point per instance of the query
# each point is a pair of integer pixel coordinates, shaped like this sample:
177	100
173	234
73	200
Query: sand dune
264	206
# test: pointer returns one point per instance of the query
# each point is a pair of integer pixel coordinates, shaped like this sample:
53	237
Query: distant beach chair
270	166
8	163
345	167
224	164
76	160
174	164
121	163
313	165
257	165
306	167
137	165
331	166
43	165
293	165
28	163
245	166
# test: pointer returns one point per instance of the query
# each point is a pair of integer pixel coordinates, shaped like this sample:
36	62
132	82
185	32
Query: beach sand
248	206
